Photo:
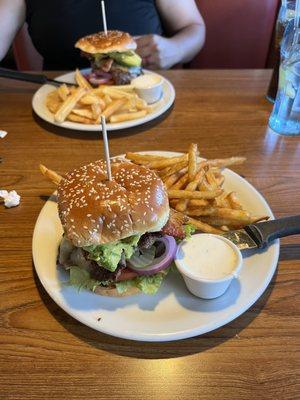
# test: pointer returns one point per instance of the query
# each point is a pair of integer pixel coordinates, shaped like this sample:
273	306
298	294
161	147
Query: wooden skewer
104	17
106	148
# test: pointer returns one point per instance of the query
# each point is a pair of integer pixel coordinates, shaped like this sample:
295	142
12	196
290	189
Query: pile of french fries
195	188
85	104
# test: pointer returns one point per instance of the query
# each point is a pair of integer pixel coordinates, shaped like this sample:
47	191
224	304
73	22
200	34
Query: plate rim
168	336
110	127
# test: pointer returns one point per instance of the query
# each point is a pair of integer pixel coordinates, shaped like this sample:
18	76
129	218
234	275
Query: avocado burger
112	57
119	235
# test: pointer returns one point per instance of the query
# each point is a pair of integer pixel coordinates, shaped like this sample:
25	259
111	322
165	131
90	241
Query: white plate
173	313
39	106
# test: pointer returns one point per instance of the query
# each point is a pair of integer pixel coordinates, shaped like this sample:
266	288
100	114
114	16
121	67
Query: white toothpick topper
106	148
104	17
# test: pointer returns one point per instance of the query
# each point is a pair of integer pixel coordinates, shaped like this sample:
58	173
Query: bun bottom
113	292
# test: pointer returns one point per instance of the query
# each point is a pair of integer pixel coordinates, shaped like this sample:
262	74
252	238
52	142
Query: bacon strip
174	226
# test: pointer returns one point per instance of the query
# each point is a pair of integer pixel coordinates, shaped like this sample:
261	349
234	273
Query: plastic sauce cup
148	87
197	251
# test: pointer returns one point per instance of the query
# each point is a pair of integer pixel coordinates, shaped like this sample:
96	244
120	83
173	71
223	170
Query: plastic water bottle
285	117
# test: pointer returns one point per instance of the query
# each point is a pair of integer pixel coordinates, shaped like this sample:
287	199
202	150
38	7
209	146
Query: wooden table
46	354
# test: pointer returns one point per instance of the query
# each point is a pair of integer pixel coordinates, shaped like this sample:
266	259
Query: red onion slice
161	262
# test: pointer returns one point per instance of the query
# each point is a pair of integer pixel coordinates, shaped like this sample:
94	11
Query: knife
35	78
259	235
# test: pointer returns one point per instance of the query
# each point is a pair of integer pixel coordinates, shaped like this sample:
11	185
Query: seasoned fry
182	204
173	169
127	116
204	227
181	183
218	221
63	91
222	201
228	213
226	162
195	203
211	179
114	106
188	194
68	105
81	81
52	175
193	153
234	201
167	162
171	180
142	158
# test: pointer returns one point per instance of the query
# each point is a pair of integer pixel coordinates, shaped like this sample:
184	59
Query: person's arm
186	28
12	17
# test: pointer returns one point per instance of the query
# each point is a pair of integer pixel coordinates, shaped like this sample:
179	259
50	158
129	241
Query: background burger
112	57
118	235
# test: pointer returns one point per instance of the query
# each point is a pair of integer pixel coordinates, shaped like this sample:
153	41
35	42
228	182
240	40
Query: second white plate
39	106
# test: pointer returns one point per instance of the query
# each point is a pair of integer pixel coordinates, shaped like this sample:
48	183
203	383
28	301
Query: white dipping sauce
208	257
146	81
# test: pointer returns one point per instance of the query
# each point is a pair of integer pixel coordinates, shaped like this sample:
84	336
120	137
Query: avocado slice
128	58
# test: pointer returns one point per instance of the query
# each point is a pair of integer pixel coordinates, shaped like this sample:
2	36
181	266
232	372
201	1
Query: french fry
142	158
68	105
114	106
226	162
204	227
52	175
141	104
173	169
78	118
227	213
83	112
188	194
96	111
53	101
127	116
118	93
222	201
81	81
182	204
173	203
63	91
167	162
211	179
90	99
234	201
181	183
192	159
218	221
107	100
170	180
195	203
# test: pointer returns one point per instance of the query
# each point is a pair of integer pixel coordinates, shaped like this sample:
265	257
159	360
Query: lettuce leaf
189	229
80	278
109	255
147	284
123	286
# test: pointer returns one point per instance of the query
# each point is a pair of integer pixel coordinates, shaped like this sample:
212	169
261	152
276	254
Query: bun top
101	43
94	210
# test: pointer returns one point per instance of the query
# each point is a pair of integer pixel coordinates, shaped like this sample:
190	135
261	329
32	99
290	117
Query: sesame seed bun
101	43
96	211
